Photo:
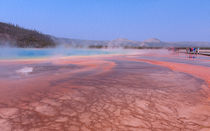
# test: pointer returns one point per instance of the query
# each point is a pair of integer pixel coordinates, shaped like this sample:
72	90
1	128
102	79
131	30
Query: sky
167	20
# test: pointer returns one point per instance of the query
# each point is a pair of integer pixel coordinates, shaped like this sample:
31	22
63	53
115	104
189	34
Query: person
198	50
193	50
187	50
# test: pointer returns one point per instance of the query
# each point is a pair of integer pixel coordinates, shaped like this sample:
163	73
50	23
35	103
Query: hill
14	35
78	43
125	43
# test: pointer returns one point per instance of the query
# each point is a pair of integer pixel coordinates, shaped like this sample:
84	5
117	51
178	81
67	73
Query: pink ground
104	93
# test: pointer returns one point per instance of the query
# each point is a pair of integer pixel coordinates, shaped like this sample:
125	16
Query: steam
60	51
24	53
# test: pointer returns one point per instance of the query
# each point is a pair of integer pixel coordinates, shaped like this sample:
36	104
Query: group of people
192	50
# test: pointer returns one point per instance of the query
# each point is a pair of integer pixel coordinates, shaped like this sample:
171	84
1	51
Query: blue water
22	53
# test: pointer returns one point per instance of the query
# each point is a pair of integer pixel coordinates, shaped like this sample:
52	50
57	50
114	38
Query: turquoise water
22	53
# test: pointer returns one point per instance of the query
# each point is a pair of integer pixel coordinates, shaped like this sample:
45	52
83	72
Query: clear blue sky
168	20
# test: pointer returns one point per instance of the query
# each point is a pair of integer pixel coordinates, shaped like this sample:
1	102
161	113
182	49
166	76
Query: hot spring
28	53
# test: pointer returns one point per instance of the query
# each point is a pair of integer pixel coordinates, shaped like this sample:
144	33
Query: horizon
108	20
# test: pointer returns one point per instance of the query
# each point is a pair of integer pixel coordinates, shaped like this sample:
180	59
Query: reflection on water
25	70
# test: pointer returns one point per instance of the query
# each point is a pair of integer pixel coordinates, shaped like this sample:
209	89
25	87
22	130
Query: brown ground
104	93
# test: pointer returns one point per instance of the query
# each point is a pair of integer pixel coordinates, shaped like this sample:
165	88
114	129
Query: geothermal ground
153	92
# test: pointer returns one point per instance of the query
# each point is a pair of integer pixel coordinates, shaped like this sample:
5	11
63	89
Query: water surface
23	53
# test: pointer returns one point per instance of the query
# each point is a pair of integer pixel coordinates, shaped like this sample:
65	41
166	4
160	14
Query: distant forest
13	35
